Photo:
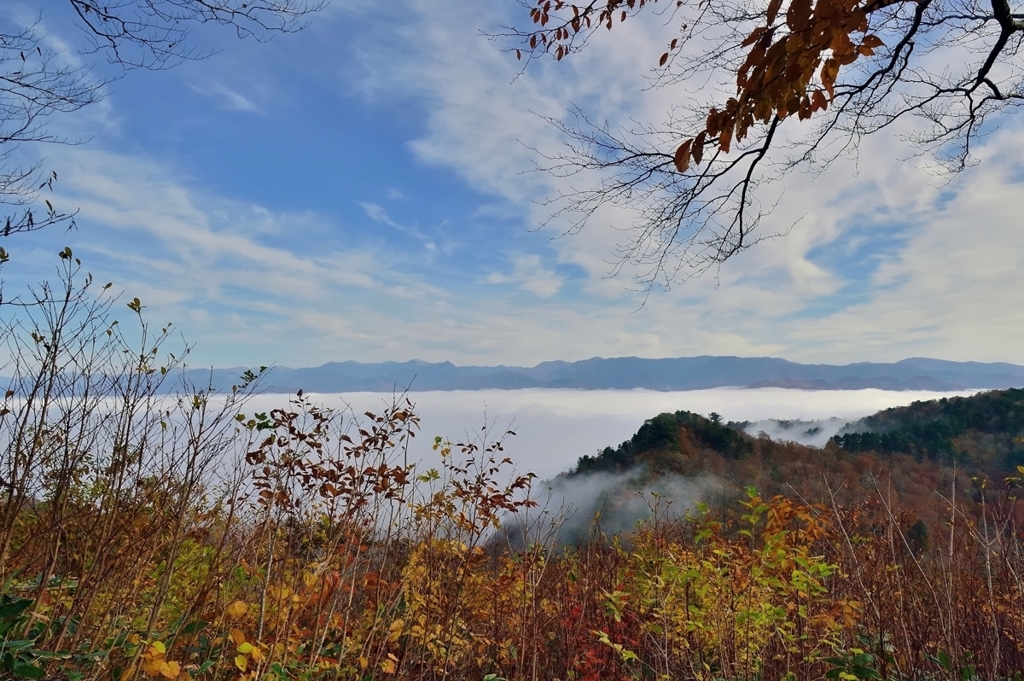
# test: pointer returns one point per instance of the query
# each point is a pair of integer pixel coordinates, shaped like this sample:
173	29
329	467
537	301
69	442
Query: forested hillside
909	453
984	430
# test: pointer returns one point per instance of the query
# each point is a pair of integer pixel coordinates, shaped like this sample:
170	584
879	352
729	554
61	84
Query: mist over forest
555	427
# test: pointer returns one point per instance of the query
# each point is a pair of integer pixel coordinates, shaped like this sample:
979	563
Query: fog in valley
555	427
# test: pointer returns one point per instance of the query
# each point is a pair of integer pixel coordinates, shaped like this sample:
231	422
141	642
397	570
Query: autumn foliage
156	535
790	68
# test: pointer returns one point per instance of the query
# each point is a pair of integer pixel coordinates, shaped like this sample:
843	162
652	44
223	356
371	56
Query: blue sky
361	190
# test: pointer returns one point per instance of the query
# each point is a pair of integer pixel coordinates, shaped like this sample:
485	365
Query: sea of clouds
555	427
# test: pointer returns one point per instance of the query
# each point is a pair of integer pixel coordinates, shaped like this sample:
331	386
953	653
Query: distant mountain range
624	373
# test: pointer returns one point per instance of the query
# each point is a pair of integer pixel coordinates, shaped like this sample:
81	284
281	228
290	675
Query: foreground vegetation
147	536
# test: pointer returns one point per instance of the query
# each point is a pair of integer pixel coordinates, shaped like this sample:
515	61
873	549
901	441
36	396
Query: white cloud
229	99
252	284
377	214
945	281
528	272
381	217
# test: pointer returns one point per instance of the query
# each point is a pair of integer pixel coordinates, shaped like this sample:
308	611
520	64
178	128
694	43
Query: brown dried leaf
698	147
872	41
682	157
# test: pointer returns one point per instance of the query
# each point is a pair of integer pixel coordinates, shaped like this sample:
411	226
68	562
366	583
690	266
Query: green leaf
12	608
209	663
28	671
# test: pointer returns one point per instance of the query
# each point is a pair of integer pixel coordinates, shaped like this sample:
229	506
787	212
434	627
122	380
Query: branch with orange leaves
855	67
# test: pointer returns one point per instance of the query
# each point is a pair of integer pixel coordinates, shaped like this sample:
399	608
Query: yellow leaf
237	609
257	654
388	666
159	647
245	648
241	661
363	662
158	666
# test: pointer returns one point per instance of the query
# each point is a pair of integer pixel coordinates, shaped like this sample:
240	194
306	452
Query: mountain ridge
627	373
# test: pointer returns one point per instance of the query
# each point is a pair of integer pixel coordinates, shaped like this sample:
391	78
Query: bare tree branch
37	82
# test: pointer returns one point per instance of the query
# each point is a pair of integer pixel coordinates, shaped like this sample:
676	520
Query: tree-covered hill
907	453
660	438
985	429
